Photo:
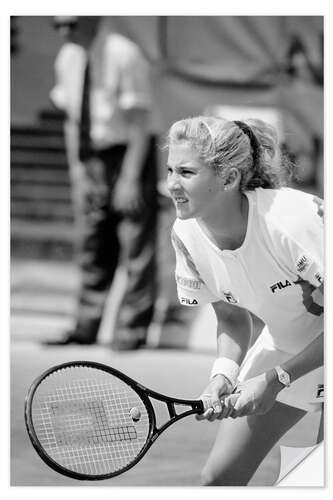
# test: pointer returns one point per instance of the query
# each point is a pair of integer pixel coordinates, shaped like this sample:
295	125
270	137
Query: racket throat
172	410
193	408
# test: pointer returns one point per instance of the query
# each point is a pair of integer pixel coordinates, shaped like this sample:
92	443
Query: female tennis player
247	244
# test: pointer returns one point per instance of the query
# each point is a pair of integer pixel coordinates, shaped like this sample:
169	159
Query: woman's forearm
307	360
233	334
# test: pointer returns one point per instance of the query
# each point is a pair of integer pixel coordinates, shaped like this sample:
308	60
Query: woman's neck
227	228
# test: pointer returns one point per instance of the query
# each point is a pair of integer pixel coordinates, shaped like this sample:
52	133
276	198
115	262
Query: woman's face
194	188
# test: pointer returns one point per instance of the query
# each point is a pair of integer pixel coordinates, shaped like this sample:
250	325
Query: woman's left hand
213	400
256	395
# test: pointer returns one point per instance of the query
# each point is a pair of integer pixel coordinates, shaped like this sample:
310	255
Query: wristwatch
283	376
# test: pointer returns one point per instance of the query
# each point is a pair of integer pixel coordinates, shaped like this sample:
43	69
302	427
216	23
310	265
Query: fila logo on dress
280	285
188	302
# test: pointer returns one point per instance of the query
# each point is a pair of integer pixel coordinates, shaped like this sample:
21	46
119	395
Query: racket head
89	421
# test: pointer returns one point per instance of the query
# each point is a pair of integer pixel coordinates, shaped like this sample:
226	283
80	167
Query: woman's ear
233	179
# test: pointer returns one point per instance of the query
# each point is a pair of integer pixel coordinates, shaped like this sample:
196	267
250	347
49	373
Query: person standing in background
105	94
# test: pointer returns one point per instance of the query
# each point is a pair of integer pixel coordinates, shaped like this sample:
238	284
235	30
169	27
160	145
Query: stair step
43	302
33	276
47	165
41	211
38	327
38	193
38	157
42	230
31	141
49	130
42	240
51	114
39	176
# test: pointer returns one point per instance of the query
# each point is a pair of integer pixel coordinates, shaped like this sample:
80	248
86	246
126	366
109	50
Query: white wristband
226	367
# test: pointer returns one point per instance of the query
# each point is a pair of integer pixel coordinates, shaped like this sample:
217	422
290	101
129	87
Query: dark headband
253	140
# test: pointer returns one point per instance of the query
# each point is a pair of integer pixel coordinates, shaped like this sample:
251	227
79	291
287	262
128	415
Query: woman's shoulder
288	213
276	198
286	205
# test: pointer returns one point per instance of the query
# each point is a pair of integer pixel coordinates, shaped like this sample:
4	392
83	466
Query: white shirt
276	272
120	81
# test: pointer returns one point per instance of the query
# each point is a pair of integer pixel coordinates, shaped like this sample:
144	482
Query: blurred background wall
198	61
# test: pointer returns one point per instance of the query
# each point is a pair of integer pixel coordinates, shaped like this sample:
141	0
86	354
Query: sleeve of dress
306	245
191	288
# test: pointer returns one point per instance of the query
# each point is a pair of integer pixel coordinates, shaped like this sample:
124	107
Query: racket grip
206	403
233	397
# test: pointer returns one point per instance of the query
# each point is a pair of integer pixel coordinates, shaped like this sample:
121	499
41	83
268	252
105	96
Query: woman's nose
173	182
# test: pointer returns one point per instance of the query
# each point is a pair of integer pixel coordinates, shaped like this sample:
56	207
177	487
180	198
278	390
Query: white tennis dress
275	274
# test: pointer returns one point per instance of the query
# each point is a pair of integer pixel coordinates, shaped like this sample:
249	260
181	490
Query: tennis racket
89	421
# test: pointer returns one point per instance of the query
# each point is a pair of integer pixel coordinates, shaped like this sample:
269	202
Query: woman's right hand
213	399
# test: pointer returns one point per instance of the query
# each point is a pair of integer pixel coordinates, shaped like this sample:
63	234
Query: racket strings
85	424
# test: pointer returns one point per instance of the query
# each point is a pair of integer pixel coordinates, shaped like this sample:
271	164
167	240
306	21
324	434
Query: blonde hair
251	147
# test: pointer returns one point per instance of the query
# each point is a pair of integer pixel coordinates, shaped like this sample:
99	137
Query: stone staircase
41	210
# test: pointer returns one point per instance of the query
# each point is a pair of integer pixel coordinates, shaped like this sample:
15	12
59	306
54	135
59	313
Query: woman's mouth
179	200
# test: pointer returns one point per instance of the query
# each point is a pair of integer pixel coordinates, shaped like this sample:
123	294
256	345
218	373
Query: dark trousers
106	238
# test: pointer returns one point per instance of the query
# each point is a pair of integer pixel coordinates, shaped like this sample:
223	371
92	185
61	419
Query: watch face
284	378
